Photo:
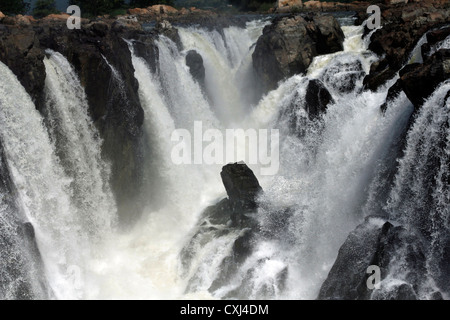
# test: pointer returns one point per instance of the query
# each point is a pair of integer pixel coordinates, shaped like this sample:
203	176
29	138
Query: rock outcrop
234	214
242	188
398	253
419	81
403	26
303	110
195	63
289	44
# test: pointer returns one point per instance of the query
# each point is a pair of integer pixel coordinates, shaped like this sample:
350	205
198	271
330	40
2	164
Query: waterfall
42	187
349	162
60	178
420	198
78	145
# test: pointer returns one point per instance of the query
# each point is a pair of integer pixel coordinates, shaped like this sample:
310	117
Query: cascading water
335	170
58	191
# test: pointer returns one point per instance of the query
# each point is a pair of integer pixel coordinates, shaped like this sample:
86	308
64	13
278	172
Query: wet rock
19	50
242	188
419	81
347	278
403	291
436	36
380	73
165	28
393	93
343	76
289	44
403	26
317	99
195	63
383	245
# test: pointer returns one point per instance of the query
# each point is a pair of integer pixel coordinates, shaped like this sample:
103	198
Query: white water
74	136
325	176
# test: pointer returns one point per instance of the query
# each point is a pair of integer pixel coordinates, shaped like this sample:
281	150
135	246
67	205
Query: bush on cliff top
13	6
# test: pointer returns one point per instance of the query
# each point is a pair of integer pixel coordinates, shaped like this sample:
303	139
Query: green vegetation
10	7
43	8
95	8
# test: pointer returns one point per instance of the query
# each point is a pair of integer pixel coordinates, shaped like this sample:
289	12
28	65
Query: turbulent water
333	173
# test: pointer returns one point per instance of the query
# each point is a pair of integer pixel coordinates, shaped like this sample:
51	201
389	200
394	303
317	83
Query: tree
14	6
148	3
43	8
97	7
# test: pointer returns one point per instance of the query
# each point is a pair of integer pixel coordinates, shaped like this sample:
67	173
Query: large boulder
242	188
289	44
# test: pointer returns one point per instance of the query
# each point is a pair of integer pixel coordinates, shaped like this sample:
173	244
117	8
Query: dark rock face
347	278
398	253
419	81
195	63
289	44
317	98
19	51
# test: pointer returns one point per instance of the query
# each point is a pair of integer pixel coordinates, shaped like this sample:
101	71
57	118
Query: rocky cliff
289	44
